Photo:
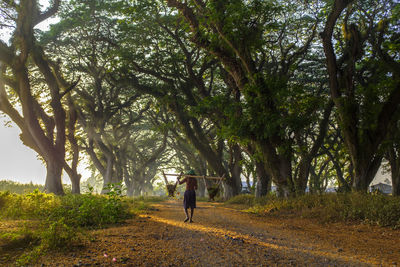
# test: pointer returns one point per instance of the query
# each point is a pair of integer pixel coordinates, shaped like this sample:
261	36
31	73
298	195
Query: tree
145	151
27	77
364	79
260	45
106	109
392	155
179	76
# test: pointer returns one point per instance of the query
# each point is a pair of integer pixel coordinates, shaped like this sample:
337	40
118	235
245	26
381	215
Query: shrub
90	210
35	205
15	187
3	198
143	203
58	220
247	200
57	234
374	209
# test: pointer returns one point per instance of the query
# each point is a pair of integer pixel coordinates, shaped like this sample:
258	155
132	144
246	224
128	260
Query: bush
15	187
143	203
3	198
57	234
247	200
374	209
35	205
250	200
58	221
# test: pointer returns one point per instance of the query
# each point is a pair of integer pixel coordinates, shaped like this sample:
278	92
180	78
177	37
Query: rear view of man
189	199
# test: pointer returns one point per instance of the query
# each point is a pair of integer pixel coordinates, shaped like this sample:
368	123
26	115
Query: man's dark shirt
191	183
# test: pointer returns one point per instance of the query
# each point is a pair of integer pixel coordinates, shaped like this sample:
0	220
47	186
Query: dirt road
225	237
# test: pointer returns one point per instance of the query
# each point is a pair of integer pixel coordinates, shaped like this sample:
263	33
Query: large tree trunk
394	161
396	184
53	177
233	186
302	176
229	191
129	191
138	190
364	173
201	189
263	185
75	181
280	169
108	177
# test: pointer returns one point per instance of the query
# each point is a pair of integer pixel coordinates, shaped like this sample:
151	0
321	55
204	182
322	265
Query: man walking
189	198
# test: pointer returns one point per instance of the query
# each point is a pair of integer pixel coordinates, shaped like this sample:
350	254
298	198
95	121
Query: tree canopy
298	94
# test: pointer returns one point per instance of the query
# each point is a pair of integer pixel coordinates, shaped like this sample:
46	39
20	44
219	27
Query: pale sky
18	162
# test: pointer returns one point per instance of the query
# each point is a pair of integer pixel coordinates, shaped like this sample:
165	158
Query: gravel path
221	236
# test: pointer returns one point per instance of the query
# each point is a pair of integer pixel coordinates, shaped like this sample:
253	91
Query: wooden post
165	178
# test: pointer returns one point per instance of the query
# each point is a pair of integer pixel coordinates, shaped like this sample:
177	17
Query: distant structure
245	189
381	187
382	182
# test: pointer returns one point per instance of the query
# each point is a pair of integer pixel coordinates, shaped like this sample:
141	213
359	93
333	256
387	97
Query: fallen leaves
225	237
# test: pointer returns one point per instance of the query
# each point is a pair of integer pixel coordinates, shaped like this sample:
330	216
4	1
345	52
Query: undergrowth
375	209
58	222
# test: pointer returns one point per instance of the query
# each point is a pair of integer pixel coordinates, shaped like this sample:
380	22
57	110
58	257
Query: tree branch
48	13
6	54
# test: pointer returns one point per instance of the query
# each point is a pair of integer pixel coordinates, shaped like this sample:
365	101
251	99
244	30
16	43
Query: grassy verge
373	209
36	223
142	204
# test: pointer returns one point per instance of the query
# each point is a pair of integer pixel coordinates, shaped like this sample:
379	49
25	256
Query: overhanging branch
48	13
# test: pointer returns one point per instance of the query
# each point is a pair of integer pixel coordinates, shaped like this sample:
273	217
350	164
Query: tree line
295	93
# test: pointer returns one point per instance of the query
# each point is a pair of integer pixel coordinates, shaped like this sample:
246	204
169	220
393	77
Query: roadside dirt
221	236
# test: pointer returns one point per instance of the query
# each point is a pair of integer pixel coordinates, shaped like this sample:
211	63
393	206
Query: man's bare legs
187	215
191	214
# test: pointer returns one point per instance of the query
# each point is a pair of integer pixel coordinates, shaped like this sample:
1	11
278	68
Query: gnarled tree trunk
263	185
53	177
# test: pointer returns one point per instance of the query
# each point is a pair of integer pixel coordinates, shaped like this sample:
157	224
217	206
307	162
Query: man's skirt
189	199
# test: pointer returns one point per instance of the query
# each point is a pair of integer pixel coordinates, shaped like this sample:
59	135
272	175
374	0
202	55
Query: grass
142	204
374	209
45	222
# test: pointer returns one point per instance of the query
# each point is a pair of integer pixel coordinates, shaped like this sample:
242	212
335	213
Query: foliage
143	204
90	210
375	209
358	41
58	222
35	205
15	187
245	199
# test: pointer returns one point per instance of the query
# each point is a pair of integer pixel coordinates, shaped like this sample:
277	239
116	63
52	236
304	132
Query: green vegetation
15	187
45	222
374	209
303	94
